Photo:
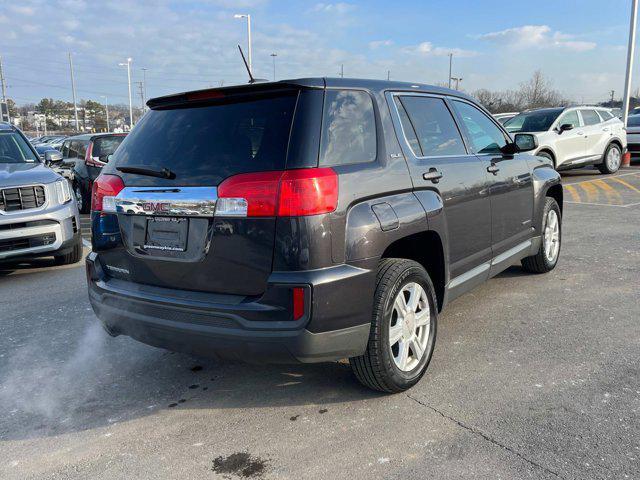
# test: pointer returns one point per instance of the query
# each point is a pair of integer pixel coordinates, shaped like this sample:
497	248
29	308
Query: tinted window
408	129
570	118
203	145
590	117
105	146
436	131
605	115
485	136
14	148
536	121
348	128
633	121
65	149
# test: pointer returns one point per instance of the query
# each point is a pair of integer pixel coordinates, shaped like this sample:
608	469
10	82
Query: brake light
105	188
292	193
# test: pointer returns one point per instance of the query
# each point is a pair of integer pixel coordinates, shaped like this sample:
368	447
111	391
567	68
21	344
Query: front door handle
605	129
433	174
580	133
493	168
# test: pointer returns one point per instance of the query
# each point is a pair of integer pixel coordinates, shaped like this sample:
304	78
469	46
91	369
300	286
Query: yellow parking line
591	191
574	193
612	195
626	184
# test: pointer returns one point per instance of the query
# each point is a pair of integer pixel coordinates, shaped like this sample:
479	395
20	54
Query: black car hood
13	174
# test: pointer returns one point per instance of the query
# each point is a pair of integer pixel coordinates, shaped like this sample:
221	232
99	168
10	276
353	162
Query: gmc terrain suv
312	220
38	215
575	137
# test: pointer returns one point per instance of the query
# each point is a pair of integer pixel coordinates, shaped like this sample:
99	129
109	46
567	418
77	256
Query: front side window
570	118
484	135
14	149
590	117
65	149
348	128
434	127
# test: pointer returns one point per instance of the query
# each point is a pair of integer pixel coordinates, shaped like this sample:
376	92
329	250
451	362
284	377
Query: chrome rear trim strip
174	201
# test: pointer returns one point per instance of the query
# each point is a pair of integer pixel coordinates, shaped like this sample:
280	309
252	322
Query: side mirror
51	157
526	142
564	127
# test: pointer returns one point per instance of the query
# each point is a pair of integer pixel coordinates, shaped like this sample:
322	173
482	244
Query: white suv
575	136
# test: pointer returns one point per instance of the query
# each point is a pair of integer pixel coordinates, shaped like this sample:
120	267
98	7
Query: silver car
38	214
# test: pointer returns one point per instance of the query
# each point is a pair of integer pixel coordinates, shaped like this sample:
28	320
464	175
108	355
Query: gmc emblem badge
155	207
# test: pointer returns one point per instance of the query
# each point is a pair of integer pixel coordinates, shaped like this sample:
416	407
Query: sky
580	46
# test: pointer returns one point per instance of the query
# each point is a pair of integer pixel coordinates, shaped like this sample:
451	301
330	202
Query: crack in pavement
486	437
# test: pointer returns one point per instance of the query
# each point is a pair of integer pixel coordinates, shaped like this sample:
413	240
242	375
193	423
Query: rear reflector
298	303
290	193
105	188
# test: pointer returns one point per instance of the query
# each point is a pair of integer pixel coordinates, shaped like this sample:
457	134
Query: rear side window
485	135
433	125
570	118
348	128
65	149
203	145
105	146
605	115
590	117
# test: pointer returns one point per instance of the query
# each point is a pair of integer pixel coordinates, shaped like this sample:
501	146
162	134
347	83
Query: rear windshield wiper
151	172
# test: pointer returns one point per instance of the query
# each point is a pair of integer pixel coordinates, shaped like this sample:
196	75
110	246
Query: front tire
73	256
551	227
82	199
611	160
403	328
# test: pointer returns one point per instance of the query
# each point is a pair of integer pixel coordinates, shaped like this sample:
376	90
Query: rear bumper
336	325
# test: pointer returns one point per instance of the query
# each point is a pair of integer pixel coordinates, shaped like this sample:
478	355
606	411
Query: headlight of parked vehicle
64	192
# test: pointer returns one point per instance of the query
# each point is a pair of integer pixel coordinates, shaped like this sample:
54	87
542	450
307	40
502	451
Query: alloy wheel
410	326
552	237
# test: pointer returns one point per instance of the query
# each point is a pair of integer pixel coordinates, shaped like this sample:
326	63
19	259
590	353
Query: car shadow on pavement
100	381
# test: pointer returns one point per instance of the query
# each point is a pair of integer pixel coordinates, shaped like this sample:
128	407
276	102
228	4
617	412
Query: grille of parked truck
313	220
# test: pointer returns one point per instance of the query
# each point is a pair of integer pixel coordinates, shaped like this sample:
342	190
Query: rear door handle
433	174
580	133
493	168
605	129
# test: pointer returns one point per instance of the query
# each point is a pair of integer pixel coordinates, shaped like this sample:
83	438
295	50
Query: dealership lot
532	377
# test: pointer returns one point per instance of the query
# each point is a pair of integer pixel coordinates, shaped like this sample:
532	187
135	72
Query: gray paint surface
532	377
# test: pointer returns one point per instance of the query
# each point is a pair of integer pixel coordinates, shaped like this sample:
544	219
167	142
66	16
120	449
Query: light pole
128	65
274	55
106	109
144	83
248	17
630	53
457	80
73	91
450	63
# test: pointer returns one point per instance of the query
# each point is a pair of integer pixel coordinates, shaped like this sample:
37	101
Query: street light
248	17
128	65
457	80
274	55
106	107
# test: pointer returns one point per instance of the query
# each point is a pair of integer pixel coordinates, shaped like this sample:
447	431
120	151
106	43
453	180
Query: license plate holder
167	234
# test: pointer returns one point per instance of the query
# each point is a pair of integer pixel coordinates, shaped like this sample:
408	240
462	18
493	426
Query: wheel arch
427	249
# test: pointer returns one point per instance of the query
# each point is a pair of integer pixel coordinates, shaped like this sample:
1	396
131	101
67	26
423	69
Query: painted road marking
609	191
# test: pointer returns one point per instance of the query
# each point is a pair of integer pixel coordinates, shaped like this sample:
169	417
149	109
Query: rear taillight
291	193
105	188
298	302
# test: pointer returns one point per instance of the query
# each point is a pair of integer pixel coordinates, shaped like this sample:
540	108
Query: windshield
14	149
537	121
203	145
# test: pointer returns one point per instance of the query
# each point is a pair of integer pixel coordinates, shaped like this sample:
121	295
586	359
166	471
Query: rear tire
73	256
400	345
547	257
611	160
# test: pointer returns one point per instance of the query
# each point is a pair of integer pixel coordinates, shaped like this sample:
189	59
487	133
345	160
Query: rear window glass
348	128
203	145
105	146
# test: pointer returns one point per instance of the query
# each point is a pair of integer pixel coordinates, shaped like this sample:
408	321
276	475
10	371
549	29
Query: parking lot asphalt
533	376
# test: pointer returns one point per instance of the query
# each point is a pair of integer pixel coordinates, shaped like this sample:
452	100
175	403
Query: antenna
246	65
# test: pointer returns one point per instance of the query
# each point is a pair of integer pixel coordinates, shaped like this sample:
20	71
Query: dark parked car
313	220
85	155
633	136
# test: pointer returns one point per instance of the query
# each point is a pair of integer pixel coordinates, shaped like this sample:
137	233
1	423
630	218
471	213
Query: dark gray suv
312	220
